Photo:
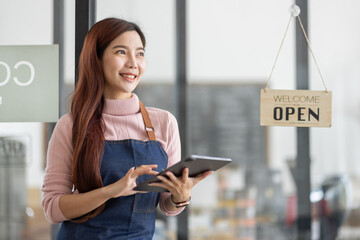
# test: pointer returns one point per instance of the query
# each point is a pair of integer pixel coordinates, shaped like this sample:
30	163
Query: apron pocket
145	202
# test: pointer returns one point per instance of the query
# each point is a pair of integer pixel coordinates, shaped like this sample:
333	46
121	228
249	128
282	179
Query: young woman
109	142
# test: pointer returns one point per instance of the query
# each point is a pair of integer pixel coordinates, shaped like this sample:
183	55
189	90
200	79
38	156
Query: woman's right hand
76	205
125	186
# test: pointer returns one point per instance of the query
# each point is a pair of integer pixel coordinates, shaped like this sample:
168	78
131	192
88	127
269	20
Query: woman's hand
76	205
180	187
124	186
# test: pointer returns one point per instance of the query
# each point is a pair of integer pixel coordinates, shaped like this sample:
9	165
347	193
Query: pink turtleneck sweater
122	120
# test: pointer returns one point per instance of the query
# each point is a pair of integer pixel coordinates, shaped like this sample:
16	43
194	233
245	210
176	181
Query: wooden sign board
297	108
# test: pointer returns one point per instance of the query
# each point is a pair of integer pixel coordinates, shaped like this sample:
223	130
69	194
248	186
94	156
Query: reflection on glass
21	215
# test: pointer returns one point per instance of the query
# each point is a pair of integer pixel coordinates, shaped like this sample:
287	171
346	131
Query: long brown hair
87	104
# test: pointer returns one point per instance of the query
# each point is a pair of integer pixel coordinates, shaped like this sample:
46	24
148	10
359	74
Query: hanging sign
298	108
29	83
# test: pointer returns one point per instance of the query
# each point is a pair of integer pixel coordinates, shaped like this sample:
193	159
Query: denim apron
130	217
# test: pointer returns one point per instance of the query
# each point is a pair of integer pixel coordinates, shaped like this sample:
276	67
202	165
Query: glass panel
226	204
335	152
23	145
245	200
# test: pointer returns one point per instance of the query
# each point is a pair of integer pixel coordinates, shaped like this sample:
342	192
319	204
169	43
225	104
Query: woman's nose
131	62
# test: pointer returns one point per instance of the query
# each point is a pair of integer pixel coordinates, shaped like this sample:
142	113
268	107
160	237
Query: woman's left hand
180	187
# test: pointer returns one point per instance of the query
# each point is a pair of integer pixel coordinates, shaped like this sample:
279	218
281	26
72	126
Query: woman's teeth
128	76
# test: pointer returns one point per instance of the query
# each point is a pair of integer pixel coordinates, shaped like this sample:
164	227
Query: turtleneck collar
121	107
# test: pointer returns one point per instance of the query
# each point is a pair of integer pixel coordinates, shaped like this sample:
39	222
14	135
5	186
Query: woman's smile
128	76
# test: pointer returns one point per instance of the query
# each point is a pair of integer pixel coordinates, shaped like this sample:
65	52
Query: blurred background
231	48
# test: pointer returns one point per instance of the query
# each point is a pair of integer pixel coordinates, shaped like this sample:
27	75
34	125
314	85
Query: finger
163	179
148	166
206	174
152	166
166	181
171	176
130	172
151	172
146	170
185	174
141	191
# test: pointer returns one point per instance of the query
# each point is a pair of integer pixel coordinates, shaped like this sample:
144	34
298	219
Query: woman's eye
121	52
141	54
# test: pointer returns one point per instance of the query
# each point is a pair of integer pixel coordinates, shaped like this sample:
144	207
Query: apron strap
148	125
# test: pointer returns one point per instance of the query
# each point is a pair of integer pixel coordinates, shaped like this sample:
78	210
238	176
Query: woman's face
123	64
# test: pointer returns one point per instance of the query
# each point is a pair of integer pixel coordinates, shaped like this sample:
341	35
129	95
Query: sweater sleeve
58	177
173	150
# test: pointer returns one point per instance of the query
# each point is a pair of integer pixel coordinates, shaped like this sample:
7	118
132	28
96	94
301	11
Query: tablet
197	164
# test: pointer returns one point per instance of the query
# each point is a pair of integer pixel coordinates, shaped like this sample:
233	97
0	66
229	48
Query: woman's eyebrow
125	47
120	46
